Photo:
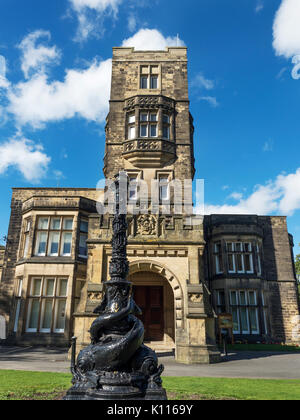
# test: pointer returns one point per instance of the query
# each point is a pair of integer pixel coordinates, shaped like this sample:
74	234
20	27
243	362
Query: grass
19	385
264	347
239	389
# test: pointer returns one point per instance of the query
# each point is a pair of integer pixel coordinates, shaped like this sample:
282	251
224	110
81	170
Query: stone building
2	251
184	274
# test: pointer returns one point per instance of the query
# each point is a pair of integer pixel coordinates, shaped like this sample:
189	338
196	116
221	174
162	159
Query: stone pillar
198	344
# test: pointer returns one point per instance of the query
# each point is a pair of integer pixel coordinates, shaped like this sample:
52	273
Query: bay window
244	309
148	124
218	258
166	126
47	305
26	237
240	257
54	236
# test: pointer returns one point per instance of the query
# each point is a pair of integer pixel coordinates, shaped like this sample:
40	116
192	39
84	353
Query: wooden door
150	300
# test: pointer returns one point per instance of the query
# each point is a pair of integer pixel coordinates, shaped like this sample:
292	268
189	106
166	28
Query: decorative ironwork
117	365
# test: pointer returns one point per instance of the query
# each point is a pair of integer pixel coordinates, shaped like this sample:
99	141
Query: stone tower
149	133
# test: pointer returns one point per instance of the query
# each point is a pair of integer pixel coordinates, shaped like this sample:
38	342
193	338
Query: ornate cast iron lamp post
117	365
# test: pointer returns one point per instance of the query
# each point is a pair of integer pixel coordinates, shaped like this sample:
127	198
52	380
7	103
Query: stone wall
277	280
29	203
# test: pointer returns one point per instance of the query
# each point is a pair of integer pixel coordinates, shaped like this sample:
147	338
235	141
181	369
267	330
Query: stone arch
158	268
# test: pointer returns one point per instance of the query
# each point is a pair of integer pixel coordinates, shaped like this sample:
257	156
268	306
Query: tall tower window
164	187
144	82
166	126
154	82
131	126
149	77
148	124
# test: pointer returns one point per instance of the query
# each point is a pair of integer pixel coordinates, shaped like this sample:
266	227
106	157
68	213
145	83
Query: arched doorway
154	295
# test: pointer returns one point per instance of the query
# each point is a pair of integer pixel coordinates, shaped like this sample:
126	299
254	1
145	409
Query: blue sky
244	90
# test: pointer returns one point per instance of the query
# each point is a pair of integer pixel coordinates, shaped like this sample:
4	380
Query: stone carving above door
146	224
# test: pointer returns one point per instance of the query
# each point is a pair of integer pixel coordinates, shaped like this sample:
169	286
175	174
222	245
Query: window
166	126
54	236
221	302
240	257
47	305
131	126
258	253
148	124
265	312
144	82
164	187
149	77
83	236
154	82
244	309
27	227
218	258
133	187
18	303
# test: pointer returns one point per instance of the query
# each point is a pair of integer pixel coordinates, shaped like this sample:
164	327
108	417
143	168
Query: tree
297	266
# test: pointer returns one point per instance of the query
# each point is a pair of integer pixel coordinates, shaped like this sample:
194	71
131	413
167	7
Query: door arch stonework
154	267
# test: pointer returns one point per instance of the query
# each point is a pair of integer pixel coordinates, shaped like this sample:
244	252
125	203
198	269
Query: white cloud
151	39
268	146
211	100
4	84
200	81
281	196
286	29
132	23
58	174
91	15
286	33
36	58
2	66
26	156
83	93
236	196
99	5
259	6
280	74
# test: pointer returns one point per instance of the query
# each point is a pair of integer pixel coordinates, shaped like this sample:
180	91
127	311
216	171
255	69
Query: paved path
236	365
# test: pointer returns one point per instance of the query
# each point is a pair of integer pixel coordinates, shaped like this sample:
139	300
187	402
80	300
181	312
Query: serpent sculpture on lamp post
117	365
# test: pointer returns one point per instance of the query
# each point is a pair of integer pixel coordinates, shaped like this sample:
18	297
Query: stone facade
2	252
272	275
58	249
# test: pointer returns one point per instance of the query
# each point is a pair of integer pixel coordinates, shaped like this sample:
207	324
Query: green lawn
264	347
240	389
19	385
26	385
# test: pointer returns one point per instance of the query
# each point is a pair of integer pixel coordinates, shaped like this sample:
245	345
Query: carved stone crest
196	298
146	225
